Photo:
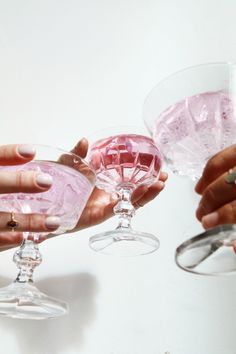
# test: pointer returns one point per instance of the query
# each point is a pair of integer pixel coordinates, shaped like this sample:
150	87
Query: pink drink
125	160
66	198
194	129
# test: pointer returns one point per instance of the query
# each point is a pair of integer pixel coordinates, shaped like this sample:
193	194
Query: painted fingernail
44	180
26	150
52	222
210	220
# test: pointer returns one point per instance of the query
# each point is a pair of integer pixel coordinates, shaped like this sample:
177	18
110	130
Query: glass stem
124	208
27	257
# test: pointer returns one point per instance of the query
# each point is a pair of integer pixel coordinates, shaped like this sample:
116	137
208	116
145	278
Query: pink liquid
194	129
125	160
66	198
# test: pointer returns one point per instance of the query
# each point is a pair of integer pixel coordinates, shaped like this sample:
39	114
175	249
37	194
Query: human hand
22	182
100	204
218	203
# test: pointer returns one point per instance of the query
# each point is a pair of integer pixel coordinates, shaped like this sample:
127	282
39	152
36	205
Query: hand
218	203
26	182
100	204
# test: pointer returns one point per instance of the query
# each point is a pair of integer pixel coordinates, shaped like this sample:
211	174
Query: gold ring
231	177
12	223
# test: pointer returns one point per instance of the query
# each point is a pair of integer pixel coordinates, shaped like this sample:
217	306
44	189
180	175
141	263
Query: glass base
25	301
211	252
122	242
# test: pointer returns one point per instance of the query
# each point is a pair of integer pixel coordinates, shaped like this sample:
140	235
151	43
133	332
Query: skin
218	198
17	182
100	204
98	209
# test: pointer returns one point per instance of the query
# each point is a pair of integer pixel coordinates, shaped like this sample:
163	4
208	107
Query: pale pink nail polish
210	220
26	150
44	180
52	222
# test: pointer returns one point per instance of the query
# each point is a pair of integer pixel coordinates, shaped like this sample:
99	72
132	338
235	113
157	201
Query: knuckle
27	223
209	196
19	179
227	214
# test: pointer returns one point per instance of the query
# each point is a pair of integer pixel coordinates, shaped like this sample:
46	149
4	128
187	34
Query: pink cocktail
122	163
69	188
194	129
125	161
191	116
73	182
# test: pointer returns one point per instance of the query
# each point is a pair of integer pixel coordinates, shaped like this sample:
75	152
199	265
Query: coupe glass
190	115
73	182
123	160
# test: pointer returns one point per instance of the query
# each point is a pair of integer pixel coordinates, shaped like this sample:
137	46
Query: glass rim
53	147
174	75
188	68
185	245
115	130
60	150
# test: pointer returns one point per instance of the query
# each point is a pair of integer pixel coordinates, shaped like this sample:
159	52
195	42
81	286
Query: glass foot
211	252
25	301
124	243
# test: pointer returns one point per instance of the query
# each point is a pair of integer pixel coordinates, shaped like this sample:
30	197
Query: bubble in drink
66	198
194	129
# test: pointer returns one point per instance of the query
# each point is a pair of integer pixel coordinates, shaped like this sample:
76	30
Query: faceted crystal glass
73	181
191	116
124	160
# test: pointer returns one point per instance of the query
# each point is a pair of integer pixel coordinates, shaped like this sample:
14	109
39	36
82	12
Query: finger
24	181
16	154
10	239
216	166
144	194
29	222
215	196
81	148
224	215
163	176
149	195
142	190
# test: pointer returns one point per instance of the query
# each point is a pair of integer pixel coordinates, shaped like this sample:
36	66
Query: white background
68	68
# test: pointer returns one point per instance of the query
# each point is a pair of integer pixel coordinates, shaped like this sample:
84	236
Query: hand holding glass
73	182
122	162
191	116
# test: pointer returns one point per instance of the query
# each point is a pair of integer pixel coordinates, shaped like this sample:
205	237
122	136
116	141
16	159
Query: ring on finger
12	223
231	177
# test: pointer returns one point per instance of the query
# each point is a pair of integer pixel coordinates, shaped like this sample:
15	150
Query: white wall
67	68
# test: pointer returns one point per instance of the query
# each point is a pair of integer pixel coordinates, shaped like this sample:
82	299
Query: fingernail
210	220
164	174
26	150
52	222
44	180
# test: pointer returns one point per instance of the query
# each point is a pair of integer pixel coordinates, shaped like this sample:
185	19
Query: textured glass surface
194	129
125	159
66	198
